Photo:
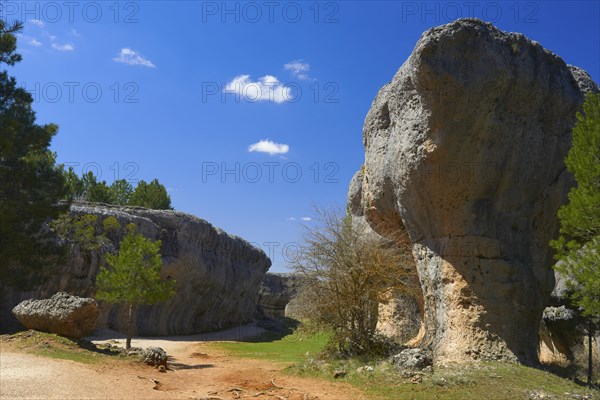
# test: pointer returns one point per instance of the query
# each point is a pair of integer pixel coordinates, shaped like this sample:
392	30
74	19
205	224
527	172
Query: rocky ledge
217	275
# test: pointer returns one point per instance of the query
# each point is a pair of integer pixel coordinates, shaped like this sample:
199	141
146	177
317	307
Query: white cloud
63	47
299	69
267	88
37	22
35	42
268	146
75	33
132	57
296	219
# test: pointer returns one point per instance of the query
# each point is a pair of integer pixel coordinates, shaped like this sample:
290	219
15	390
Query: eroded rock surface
275	293
563	332
465	148
63	314
217	275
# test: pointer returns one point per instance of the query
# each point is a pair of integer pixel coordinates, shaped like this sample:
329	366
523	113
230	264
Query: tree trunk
590	335
129	327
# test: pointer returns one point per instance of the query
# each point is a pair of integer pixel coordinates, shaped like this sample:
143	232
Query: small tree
134	276
578	246
342	277
96	191
121	191
75	186
151	195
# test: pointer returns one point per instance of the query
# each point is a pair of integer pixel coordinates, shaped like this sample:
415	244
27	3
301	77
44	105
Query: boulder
155	356
412	359
464	149
274	294
63	314
217	274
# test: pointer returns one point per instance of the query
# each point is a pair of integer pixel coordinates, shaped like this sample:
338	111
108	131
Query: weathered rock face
217	275
563	332
63	314
465	149
276	291
399	317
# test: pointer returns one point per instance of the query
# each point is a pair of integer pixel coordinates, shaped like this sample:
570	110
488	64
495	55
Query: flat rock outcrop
63	314
275	293
217	275
464	148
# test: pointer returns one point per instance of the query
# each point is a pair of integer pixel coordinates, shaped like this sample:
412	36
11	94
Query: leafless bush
342	276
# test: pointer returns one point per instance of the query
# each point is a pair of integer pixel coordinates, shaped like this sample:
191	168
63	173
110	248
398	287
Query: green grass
494	381
53	346
290	349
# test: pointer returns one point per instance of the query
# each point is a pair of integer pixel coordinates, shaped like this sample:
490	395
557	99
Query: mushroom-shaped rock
465	149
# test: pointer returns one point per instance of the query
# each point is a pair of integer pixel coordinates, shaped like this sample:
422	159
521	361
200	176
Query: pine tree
578	246
96	191
121	192
151	195
31	183
134	276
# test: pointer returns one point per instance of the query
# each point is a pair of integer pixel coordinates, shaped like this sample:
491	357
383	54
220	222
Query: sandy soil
196	371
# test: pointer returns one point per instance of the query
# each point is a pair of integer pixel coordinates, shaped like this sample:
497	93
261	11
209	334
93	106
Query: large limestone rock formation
465	148
217	275
276	291
63	314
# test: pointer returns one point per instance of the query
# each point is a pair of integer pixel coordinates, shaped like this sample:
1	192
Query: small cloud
172	189
268	146
75	33
290	219
35	42
132	57
63	47
49	36
299	69
306	219
37	22
267	88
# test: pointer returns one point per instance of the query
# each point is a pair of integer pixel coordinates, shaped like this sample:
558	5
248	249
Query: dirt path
197	371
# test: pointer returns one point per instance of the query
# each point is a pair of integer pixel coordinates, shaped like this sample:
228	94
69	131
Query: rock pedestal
465	149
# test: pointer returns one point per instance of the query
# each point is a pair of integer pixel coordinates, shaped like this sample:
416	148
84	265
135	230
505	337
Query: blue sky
249	112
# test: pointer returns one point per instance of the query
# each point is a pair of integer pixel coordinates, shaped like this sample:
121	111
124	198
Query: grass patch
494	381
490	380
55	346
292	348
